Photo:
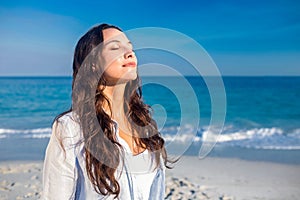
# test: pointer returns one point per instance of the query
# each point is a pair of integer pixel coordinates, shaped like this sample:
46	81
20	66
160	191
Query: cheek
111	63
113	69
111	58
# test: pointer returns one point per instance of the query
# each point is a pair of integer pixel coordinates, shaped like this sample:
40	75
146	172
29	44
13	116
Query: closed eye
115	47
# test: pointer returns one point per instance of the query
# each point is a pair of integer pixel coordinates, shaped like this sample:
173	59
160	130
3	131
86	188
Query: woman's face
118	58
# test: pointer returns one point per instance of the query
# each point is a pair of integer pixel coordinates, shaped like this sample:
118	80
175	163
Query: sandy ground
240	179
191	178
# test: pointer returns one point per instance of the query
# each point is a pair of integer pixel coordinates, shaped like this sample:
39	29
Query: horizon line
68	76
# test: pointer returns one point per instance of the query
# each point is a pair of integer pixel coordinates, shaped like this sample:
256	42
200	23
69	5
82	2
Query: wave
263	138
258	138
25	133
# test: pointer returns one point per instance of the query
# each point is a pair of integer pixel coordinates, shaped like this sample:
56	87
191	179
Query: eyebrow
118	41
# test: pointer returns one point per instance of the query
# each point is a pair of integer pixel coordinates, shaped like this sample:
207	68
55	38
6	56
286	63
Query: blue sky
242	37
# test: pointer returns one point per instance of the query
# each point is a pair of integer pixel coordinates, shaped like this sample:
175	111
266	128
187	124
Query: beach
257	155
191	178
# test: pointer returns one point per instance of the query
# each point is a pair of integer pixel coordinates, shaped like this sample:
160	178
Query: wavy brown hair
102	150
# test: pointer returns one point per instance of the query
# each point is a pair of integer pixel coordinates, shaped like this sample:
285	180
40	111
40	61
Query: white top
65	176
141	167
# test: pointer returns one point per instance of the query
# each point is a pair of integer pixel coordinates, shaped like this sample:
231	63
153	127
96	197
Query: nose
129	54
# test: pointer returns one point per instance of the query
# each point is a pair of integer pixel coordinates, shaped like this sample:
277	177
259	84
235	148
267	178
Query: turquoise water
262	112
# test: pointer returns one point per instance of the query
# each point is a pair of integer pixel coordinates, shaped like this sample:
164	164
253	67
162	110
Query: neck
115	95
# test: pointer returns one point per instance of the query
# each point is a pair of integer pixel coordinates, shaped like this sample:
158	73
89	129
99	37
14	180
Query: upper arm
60	173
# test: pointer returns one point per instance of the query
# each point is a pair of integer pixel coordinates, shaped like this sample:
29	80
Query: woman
106	147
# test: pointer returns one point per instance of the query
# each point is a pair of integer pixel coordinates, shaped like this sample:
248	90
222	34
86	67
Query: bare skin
120	65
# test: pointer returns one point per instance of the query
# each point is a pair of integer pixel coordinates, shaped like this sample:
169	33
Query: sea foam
258	138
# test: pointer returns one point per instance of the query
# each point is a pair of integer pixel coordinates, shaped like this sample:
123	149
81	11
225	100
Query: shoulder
65	117
67	127
67	120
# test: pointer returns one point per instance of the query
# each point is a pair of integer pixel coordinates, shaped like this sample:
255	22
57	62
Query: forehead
113	34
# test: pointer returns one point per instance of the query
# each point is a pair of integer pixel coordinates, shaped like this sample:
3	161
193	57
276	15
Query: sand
240	179
21	180
191	178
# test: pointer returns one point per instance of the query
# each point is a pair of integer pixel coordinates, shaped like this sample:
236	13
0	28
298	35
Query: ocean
262	115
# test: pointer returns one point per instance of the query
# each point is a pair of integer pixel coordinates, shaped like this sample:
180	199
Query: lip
129	64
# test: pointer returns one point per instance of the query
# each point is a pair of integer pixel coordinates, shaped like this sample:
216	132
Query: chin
130	76
126	79
133	77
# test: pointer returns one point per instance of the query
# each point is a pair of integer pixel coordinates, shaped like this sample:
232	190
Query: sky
243	38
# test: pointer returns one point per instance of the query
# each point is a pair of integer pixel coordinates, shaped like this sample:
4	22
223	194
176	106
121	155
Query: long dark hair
100	174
